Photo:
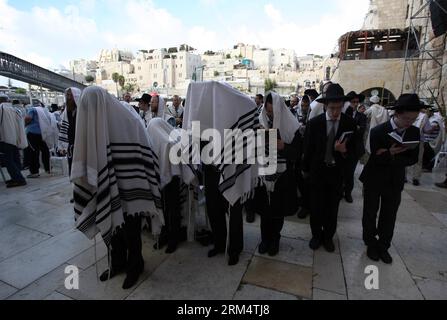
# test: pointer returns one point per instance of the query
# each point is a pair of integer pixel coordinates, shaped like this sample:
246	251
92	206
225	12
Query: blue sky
51	33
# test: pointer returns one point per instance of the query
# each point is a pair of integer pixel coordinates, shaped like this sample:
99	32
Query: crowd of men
123	177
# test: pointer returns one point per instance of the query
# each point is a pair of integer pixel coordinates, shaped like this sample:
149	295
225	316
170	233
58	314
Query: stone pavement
37	242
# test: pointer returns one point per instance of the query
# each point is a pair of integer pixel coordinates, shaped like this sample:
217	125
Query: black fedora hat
311	92
146	98
408	102
352	95
333	93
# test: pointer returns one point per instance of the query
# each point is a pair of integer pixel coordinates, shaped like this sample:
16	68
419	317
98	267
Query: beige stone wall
387	14
360	75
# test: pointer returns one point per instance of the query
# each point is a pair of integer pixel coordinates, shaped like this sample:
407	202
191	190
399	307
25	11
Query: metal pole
407	47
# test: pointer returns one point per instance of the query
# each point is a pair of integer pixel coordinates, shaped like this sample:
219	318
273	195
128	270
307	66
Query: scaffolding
426	84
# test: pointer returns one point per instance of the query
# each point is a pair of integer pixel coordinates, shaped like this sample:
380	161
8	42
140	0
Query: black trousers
37	146
12	161
217	208
348	175
172	211
325	200
388	201
429	157
126	247
304	188
272	221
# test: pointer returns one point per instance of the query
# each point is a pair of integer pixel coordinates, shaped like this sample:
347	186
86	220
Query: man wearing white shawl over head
115	181
376	115
12	138
278	198
218	106
158	109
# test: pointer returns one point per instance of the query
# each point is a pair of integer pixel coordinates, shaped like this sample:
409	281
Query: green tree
116	78
270	85
89	79
216	73
129	87
228	56
20	91
121	81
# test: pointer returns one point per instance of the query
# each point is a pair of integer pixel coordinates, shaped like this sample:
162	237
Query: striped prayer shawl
219	106
115	172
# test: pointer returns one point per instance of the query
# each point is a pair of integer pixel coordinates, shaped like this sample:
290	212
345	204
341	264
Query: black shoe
274	248
348	198
303	213
72	200
132	277
15	184
372	253
442	185
315	243
214	252
385	257
416	182
172	247
161	243
263	248
250	217
233	260
105	275
329	246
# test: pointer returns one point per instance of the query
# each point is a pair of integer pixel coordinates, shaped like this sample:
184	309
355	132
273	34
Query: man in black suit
325	156
384	176
351	163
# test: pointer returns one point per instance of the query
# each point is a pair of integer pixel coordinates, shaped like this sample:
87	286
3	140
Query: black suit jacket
315	141
387	171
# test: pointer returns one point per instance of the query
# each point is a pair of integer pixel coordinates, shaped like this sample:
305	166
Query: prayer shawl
219	106
162	137
420	123
175	114
132	111
438	142
63	133
115	172
316	108
48	127
162	110
376	115
12	128
287	124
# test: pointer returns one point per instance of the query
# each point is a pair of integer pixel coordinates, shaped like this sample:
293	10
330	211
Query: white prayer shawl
12	128
175	114
63	132
316	108
161	113
376	115
219	106
48	127
287	124
440	139
132	111
114	172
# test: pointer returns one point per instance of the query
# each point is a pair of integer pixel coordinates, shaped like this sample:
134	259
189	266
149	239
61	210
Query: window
139	68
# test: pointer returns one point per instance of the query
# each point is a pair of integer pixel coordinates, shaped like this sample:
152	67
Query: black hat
334	93
311	92
352	95
408	102
146	98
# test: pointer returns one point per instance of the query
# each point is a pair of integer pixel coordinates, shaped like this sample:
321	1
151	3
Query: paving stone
292	251
253	293
328	272
395	282
57	296
442	218
433	289
431	201
252	238
423	249
280	276
44	286
411	212
191	275
327	295
31	264
15	239
6	290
